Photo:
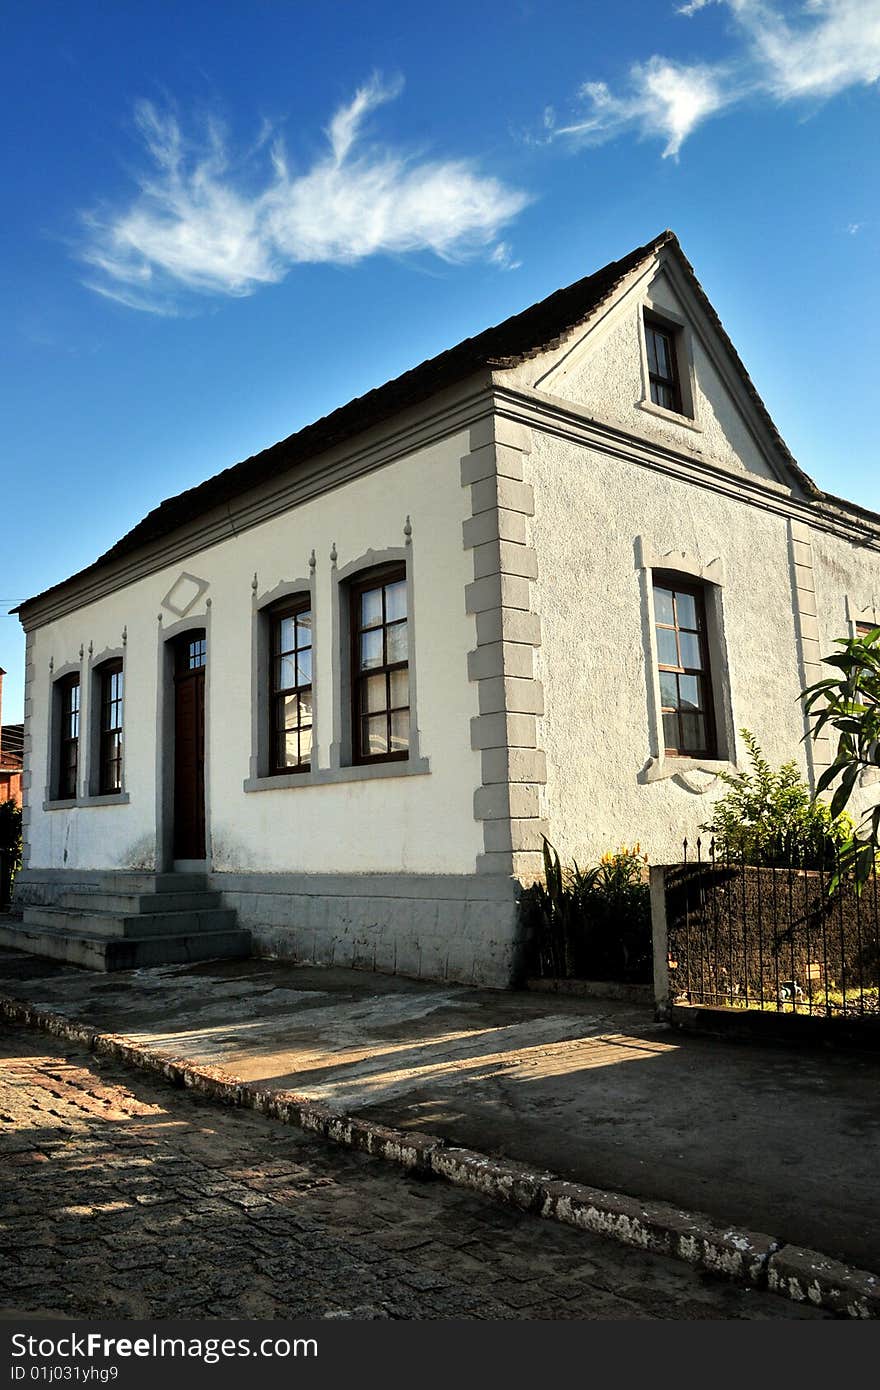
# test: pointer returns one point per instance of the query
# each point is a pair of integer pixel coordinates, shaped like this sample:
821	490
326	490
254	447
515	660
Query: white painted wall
594	666
604	373
408	824
594	654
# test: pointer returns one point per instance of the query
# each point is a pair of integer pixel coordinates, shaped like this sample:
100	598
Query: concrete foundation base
434	927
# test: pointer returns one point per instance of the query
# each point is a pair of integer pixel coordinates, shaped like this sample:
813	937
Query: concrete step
130	904
122	926
95	952
114	881
131	881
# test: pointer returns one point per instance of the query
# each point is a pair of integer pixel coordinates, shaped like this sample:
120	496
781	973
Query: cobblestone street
126	1198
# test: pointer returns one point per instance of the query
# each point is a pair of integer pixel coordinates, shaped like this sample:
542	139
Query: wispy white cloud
812	49
665	98
203	223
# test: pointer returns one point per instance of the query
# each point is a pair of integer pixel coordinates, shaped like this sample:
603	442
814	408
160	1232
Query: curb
747	1257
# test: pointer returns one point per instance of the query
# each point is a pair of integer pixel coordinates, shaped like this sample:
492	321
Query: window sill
694	774
674	416
73	803
329	776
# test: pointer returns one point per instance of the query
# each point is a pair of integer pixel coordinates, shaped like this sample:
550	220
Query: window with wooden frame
683	660
290	707
110	741
663	374
68	737
380	667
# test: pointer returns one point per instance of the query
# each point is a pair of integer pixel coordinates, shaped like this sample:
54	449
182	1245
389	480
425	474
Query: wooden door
189	748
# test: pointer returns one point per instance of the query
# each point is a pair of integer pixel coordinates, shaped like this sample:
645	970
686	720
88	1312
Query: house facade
534	586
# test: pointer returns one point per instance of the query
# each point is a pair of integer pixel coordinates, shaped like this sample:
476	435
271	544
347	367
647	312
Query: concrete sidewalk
766	1137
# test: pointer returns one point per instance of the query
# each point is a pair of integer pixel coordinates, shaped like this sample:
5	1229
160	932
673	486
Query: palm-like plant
849	703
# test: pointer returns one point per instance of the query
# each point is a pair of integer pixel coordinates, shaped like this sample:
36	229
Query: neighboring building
535	585
11	746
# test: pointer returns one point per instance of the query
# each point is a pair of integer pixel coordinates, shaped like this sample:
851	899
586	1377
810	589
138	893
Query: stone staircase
124	921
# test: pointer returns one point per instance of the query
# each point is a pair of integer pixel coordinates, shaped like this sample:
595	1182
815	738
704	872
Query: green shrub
768	816
10	847
10	830
590	923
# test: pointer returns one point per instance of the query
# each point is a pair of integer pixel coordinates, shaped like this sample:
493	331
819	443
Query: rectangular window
683	661
111	729
68	737
291	684
662	365
380	667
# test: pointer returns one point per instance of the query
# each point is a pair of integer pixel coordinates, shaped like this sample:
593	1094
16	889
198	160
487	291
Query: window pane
668	690
400	731
662	395
693	727
397	643
375	735
663	610
651	344
689	644
395	601
689	692
304	629
373	694
371	649
667	652
305	744
371	608
686	608
670	730
287	712
661	347
304	667
399	689
284	637
288	749
305	707
285	672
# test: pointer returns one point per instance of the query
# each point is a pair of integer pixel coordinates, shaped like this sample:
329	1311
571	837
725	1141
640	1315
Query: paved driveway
766	1136
128	1198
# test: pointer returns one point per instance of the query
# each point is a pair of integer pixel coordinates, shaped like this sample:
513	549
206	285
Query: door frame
165	715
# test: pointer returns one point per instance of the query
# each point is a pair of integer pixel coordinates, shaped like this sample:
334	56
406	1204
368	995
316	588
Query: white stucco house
334	696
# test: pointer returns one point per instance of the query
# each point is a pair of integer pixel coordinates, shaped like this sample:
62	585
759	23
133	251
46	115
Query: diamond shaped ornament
184	593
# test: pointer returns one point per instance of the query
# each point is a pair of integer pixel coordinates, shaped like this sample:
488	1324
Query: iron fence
782	936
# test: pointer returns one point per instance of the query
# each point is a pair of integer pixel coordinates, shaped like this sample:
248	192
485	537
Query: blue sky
223	220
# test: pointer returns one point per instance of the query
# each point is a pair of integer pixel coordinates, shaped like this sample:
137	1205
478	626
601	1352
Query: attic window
663	374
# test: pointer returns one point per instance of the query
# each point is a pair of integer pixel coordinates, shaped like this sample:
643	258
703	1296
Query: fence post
662	1010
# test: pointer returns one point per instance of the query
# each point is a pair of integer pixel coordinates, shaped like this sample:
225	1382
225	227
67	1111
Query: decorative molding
687	772
803	591
486	397
260	757
697	775
90	729
184	594
679	562
509	801
340	747
861	610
